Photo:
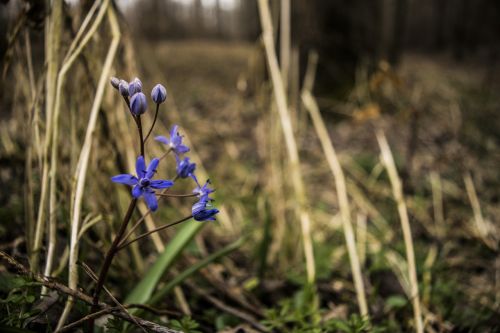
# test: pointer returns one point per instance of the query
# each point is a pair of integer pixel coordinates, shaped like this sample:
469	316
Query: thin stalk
79	179
285	37
291	144
143	216
340	185
52	43
141	139
121	246
109	258
397	189
177	195
153	124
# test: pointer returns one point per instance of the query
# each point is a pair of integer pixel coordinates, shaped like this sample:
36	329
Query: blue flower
142	184
184	167
159	94
138	104
175	141
201	212
123	88
134	86
202	191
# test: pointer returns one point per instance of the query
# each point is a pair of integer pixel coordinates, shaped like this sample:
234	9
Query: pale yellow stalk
345	211
81	170
286	125
397	189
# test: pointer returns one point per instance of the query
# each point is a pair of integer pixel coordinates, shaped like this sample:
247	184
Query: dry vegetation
439	121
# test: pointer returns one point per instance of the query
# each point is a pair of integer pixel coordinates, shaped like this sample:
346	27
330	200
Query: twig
94	277
20	269
82	320
397	189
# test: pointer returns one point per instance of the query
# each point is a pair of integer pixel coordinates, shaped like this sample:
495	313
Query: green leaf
395	302
144	289
193	269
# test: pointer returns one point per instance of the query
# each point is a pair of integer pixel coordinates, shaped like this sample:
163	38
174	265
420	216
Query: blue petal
181	149
140	167
206	215
158	184
173	131
162	139
152	168
196	181
137	191
124	179
150	198
198	207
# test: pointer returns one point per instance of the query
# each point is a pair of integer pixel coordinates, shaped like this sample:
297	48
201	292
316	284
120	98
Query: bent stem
109	258
153	124
121	246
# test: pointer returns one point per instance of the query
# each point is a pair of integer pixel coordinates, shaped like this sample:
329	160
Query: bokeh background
305	187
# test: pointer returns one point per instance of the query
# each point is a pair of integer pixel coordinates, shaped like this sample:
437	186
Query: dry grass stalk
68	62
286	124
345	211
361	234
81	170
52	47
285	34
437	203
483	228
405	225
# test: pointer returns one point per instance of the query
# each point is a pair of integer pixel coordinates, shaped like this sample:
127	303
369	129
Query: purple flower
184	167
134	86
202	191
142	184
159	94
201	212
175	141
138	104
123	88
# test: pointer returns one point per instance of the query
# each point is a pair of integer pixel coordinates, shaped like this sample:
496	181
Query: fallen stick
14	265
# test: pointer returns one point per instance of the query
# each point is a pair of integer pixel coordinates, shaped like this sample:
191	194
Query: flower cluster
142	183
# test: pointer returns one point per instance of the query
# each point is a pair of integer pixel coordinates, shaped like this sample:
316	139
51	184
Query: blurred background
354	146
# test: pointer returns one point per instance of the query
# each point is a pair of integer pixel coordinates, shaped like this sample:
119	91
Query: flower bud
138	104
115	82
123	88
134	86
184	167
159	94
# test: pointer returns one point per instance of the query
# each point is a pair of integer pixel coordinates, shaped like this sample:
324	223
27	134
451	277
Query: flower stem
177	195
139	128
142	218
121	246
109	258
153	124
166	153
